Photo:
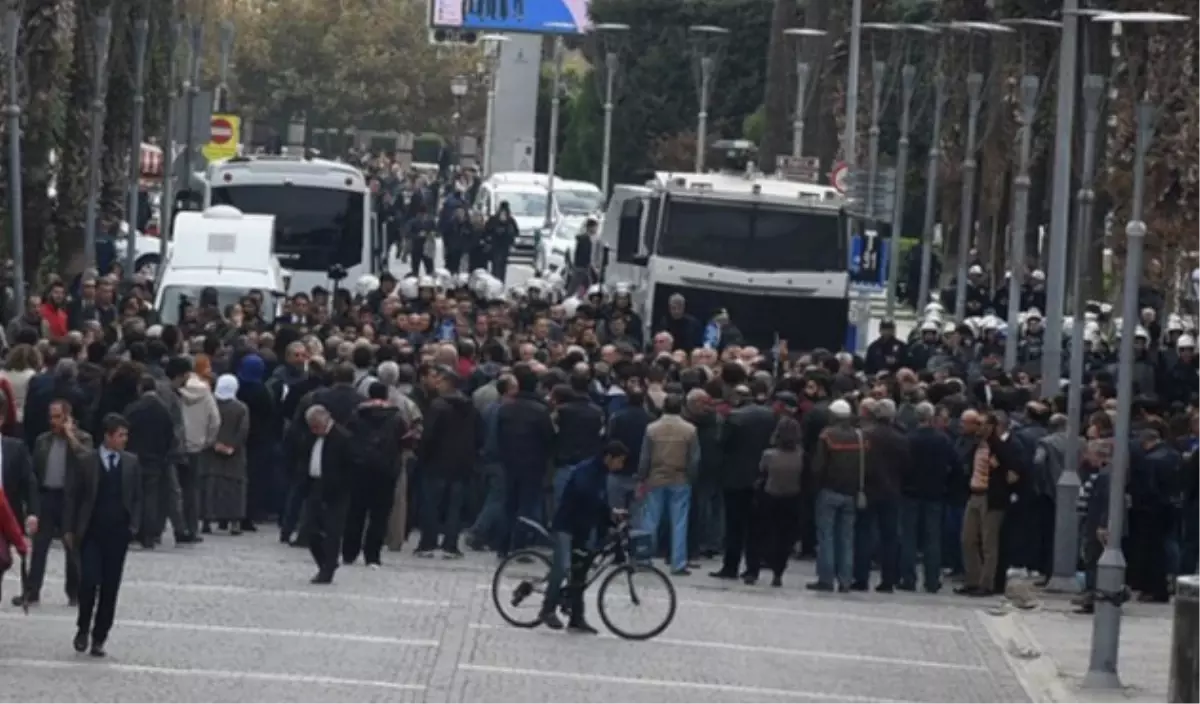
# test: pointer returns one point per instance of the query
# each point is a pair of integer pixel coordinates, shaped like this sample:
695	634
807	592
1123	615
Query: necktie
112	463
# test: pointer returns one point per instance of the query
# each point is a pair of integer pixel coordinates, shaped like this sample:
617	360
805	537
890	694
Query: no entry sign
224	131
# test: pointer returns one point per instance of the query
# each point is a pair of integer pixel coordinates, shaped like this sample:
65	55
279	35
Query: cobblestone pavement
234	619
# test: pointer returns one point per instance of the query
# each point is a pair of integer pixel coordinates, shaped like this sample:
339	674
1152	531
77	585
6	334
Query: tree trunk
118	117
778	87
73	149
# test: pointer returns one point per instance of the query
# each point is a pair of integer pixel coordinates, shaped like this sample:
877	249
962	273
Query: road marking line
638	681
212	674
250	591
803	613
766	649
241	630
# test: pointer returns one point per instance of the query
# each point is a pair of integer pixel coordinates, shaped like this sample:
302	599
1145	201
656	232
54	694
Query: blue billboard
529	16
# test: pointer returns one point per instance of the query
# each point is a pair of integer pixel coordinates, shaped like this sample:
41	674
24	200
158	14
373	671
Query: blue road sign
527	16
869	254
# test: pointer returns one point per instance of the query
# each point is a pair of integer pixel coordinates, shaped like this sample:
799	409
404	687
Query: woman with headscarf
223	466
264	496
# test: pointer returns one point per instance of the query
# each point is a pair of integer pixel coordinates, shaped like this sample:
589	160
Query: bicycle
530	590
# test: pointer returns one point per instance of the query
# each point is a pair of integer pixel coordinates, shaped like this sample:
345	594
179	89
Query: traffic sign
839	177
869	254
225	131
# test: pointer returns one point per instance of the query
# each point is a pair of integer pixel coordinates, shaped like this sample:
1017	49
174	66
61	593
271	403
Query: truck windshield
176	298
752	237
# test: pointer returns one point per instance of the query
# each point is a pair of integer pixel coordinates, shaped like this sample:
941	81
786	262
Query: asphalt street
235	620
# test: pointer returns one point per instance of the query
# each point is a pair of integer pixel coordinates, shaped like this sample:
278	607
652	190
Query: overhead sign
868	260
529	16
802	169
840	177
225	134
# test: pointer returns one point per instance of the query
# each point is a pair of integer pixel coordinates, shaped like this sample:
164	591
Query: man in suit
103	510
57	454
328	461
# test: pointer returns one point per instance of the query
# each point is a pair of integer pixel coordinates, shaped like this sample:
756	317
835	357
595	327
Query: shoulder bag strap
862	462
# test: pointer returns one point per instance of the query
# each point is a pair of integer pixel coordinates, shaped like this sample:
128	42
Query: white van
222	249
526	194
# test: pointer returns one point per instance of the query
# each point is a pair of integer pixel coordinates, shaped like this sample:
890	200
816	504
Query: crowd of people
451	405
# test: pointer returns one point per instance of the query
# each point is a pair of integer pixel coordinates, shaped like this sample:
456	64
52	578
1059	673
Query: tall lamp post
166	208
458	88
1066	489
1029	92
102	33
931	175
803	78
706	39
609	34
141	35
491	55
966	222
191	89
12	113
226	44
1110	571
556	87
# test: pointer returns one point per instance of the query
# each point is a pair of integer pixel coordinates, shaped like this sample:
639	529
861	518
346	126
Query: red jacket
56	319
9	528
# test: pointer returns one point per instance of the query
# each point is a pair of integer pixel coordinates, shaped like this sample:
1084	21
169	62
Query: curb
1037	672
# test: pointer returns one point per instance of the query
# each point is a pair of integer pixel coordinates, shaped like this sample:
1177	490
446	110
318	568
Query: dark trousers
261	483
291	520
522	497
101	564
367	517
807	519
739	516
161	499
876	533
50	526
326	519
952	547
189	494
921	533
489	525
417	256
441	512
775	521
478	259
1147	553
454	257
500	262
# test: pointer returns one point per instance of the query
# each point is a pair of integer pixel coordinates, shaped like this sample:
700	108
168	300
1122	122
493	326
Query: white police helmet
409	287
366	284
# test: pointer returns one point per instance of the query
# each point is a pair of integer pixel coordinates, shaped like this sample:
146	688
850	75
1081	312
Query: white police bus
323	213
771	252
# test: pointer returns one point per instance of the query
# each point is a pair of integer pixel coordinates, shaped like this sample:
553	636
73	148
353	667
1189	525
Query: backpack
379	448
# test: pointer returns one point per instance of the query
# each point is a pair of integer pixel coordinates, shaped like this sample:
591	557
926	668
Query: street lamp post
1110	570
704	38
12	113
166	208
803	78
226	44
491	52
458	88
552	148
966	222
931	184
609	32
102	32
191	88
141	35
1030	88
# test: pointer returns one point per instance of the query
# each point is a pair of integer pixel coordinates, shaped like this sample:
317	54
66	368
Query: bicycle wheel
641	591
519	587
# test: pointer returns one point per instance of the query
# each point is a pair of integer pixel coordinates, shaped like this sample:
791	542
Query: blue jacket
584	503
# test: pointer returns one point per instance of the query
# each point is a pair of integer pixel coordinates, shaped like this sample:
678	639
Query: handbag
860	499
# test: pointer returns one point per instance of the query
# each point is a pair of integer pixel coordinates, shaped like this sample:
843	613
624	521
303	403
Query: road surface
234	619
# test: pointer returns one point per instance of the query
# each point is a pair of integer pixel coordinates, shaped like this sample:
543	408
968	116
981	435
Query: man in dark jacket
580	425
886	352
450	442
923	495
328	459
1154	493
381	430
877	526
746	434
628	426
525	440
685	329
838	465
152	439
341	399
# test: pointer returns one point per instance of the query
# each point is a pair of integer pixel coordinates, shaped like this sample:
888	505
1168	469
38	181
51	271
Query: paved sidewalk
235	620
